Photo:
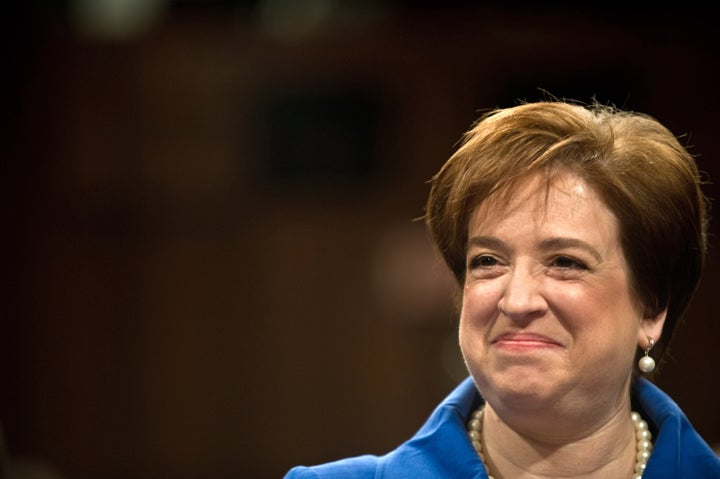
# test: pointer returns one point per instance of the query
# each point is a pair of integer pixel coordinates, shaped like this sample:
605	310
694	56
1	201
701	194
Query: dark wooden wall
211	260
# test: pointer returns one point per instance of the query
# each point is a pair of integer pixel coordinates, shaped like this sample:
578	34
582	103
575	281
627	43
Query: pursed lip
525	340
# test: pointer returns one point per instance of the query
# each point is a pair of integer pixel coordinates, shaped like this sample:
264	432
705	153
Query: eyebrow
487	242
561	243
548	244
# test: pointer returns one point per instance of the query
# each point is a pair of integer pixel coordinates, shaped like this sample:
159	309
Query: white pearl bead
644	445
646	364
643	456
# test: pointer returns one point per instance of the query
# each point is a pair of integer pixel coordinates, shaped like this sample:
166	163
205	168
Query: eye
483	261
566	262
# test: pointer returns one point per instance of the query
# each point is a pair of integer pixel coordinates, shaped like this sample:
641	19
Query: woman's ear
651	326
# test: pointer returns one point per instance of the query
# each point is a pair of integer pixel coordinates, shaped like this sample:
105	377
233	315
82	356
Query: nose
522	298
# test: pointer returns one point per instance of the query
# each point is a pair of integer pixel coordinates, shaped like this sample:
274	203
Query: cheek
574	306
602	321
479	308
584	305
479	305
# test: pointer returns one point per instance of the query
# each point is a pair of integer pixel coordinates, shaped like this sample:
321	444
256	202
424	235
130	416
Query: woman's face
548	318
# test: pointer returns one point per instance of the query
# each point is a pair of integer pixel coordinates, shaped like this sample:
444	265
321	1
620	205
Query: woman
577	236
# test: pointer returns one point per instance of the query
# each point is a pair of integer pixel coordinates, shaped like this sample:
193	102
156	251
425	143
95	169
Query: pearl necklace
643	439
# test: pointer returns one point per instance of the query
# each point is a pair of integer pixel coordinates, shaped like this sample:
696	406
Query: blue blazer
441	448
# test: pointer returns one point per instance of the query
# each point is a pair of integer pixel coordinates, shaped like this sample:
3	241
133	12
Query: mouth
525	341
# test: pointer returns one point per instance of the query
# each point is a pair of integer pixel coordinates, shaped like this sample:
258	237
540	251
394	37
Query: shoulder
361	467
678	450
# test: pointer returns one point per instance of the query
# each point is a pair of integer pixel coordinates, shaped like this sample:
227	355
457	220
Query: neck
601	450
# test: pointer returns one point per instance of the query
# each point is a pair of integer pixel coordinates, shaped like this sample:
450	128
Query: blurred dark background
212	267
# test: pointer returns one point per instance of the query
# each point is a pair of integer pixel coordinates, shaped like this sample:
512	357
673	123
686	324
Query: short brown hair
636	165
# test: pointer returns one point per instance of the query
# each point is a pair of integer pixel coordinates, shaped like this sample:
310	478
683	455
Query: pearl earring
646	363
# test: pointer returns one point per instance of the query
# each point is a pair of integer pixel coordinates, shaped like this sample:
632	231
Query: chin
520	390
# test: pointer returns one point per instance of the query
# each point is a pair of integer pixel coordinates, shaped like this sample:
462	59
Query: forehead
562	200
